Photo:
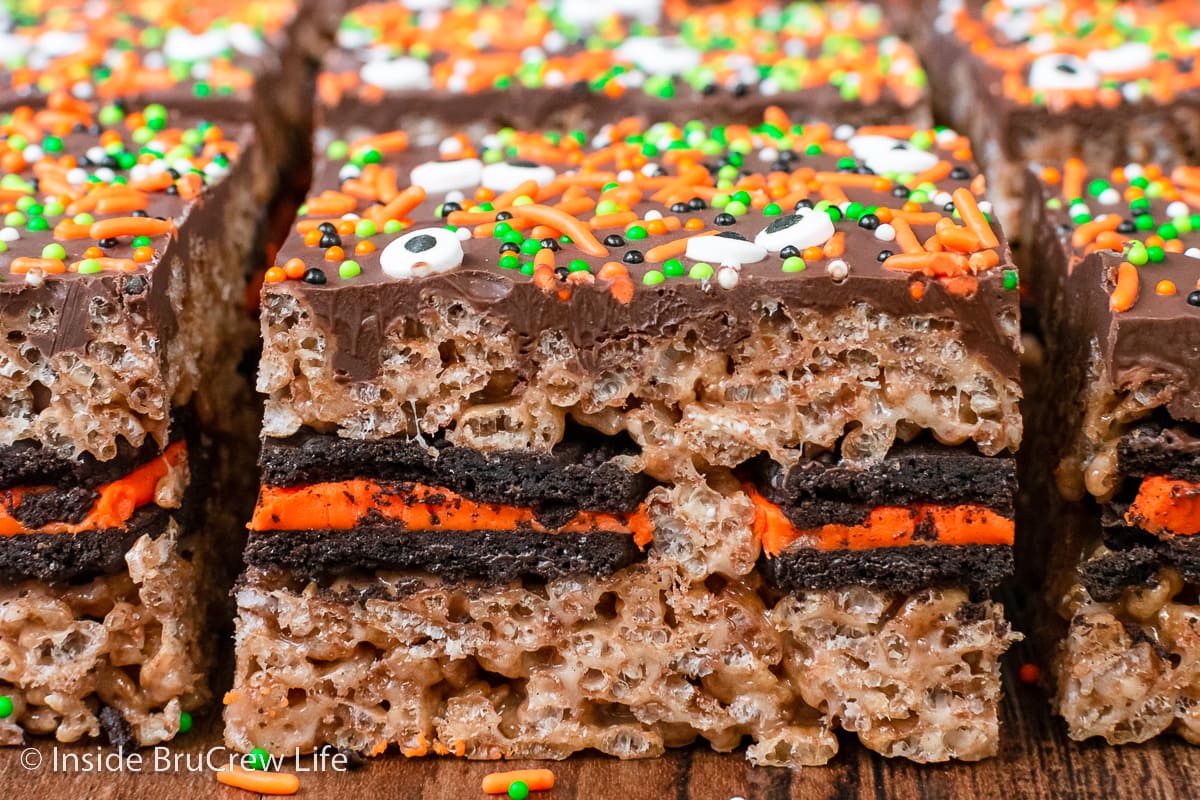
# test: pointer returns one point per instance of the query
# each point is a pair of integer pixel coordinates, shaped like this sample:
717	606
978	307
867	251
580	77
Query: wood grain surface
1036	760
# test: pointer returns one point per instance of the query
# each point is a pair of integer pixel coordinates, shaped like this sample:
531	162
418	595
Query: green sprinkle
337	150
636	232
140	241
530	246
501	228
1011	280
741	197
794	264
673	268
258	759
855	211
14	218
527	268
393	226
700	271
921	139
606	207
736	207
52	144
111	116
365	228
349	269
54	250
719	200
509	261
156	116
518	790
185	722
1097	187
1155	254
54	209
653	278
1168	231
38	224
6	710
846	163
772	210
578	265
1144	222
1137	254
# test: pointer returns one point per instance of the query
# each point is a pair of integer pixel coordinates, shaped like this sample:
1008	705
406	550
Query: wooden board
1036	760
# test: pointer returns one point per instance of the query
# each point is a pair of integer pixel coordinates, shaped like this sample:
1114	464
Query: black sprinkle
108	243
803	204
327	227
948	208
959	174
884	255
614	240
1194	298
634	257
697	204
137	213
899	190
1127	226
315	276
172	189
510	247
679	208
709	89
790	251
501	216
450	208
330	240
740	89
549	243
868	221
725	219
562	272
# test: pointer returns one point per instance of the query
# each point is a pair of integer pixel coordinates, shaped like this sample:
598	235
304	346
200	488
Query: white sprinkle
1192	252
95	154
463	233
1133	171
35	277
768	154
77	176
1177	209
351	215
1109	197
838	269
449	145
9	234
83	90
106	175
985	206
885	232
941	198
946	136
727	277
843	132
348	172
649	169
652	214
624	176
554	41
454	196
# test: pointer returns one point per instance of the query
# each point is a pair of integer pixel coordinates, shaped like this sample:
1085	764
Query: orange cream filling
1165	506
345	504
885	526
116	504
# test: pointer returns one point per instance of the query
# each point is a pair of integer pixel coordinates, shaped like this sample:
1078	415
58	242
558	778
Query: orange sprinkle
335	253
295	268
143	254
1125	293
538	780
275	275
364	246
253	780
1030	673
130	226
1164	287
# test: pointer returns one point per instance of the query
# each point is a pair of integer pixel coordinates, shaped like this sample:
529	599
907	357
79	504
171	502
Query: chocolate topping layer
358	311
901	569
578	475
493	556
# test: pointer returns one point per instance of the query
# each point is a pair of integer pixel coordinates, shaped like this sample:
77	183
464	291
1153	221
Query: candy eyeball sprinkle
885	154
420	253
1062	71
507	175
727	248
806	228
441	177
